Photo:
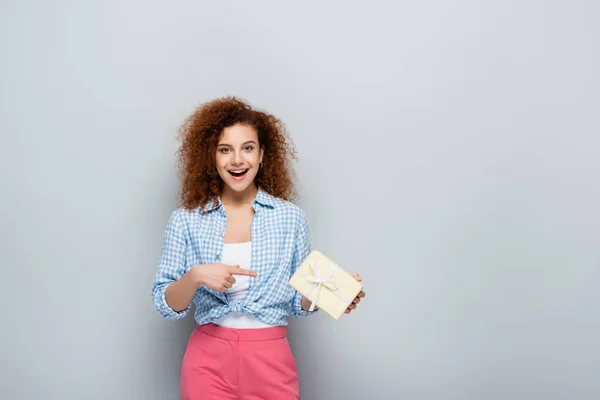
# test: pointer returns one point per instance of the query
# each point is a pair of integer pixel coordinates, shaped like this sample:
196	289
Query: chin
236	187
240	187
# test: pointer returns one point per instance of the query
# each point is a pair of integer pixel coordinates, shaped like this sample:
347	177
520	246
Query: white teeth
238	172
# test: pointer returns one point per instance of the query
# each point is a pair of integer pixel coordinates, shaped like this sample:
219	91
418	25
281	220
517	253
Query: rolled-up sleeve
301	251
171	266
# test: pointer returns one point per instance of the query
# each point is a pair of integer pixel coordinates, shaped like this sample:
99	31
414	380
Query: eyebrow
228	145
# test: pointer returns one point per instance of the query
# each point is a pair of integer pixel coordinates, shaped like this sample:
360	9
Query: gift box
325	284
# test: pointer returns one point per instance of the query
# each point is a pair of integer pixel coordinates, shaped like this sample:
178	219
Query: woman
231	249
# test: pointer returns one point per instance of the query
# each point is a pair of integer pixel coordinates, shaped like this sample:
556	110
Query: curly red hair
200	136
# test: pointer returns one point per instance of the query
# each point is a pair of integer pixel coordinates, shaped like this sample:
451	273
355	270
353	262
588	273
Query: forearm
179	294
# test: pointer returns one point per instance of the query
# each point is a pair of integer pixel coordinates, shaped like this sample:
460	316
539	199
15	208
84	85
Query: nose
237	159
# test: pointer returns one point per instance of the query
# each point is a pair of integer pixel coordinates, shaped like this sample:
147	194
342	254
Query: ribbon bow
319	282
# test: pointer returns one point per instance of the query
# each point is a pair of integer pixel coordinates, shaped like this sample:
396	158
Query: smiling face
238	157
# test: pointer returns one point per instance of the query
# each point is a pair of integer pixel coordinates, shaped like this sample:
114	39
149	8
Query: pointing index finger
240	271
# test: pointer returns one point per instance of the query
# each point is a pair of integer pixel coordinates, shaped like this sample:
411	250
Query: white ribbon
319	282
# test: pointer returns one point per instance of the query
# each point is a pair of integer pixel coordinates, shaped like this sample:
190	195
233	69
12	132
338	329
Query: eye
249	148
224	149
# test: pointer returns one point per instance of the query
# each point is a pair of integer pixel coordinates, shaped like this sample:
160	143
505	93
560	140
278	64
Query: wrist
196	275
306	303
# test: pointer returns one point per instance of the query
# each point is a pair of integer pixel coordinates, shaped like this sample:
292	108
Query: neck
236	199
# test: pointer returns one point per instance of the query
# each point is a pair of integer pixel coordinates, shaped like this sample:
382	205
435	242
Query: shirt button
217	258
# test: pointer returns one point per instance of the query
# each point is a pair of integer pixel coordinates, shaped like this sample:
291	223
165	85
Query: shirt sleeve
301	251
171	267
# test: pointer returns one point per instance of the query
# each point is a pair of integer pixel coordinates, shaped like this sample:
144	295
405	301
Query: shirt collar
265	199
262	197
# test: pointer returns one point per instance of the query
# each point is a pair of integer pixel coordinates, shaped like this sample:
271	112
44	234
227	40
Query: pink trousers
249	364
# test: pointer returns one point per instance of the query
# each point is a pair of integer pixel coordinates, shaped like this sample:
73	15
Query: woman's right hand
218	276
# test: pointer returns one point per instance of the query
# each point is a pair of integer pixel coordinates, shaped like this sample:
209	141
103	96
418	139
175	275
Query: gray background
449	152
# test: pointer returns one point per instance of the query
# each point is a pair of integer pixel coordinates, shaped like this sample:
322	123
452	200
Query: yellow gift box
325	284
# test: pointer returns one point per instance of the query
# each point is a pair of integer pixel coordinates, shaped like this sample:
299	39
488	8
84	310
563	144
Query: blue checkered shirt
280	242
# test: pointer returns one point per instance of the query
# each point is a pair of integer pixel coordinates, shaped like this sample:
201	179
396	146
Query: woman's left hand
357	298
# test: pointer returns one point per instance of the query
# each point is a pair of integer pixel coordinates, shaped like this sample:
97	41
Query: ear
262	153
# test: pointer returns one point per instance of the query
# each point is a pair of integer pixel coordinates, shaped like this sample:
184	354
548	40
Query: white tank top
239	254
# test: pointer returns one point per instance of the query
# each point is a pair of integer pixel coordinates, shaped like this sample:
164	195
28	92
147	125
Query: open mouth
238	173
